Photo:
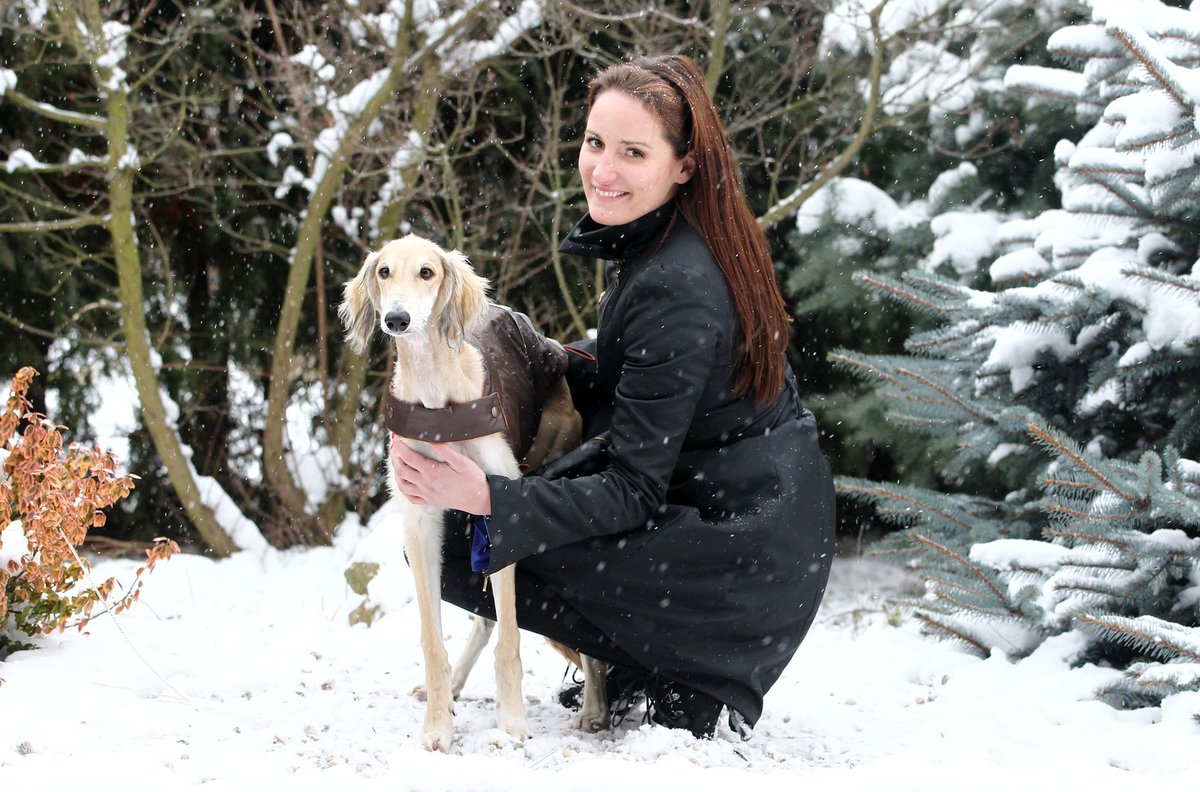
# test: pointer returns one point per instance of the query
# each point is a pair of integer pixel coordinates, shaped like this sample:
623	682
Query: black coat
703	547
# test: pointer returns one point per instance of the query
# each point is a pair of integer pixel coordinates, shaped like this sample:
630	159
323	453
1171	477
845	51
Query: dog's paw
591	722
419	694
438	731
516	726
436	741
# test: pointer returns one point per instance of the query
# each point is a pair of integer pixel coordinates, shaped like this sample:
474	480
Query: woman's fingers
455	483
457	462
408	457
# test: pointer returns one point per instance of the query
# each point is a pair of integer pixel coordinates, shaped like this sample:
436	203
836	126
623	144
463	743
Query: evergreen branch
1145	637
1054	507
955	400
1123	196
1089	170
1166	279
881	493
1000	596
934	283
1066	318
916	398
1138	47
1056	96
936	625
892	511
1152	362
883	549
943	340
1169	685
856	363
944	583
1053	442
1082	42
1186	427
1151	576
1156	142
963	605
1086	537
896	291
1083	589
1064	484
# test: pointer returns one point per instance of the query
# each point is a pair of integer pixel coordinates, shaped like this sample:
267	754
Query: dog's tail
572	656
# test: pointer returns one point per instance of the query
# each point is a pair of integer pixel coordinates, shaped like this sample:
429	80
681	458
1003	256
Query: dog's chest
433	378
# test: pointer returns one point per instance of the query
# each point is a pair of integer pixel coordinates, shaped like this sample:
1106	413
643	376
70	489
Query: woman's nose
605	169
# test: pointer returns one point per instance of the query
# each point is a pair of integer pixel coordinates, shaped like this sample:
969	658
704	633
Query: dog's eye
384	272
426	273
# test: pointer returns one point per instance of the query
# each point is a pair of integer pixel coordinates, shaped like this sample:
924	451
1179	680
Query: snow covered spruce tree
1073	379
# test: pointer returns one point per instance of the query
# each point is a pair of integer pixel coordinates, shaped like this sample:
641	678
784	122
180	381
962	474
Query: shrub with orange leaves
50	496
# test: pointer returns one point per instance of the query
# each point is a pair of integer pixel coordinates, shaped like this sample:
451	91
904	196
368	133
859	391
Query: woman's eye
635	153
384	272
426	273
593	142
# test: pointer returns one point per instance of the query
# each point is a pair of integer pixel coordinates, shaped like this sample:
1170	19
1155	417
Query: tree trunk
133	318
311	528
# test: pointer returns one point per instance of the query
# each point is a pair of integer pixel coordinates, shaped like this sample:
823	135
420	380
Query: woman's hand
455	483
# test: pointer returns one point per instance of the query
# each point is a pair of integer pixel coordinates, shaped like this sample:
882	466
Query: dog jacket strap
449	424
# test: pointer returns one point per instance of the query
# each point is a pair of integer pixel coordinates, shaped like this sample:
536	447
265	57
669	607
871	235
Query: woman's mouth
609	193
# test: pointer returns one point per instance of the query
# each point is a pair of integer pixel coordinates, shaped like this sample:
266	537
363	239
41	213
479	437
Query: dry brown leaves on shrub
56	494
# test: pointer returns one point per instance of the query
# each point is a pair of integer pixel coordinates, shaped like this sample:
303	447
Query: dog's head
413	286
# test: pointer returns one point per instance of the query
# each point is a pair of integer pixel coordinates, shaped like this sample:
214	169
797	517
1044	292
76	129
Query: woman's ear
687	169
358	307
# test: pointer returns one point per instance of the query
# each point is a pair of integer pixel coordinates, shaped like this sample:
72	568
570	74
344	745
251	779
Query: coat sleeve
669	327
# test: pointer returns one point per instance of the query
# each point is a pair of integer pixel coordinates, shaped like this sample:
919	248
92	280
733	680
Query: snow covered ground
244	674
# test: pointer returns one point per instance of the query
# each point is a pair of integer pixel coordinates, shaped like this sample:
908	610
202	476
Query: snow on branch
527	16
1148	119
1182	85
1157	19
1149	634
47	110
1083	42
1059	84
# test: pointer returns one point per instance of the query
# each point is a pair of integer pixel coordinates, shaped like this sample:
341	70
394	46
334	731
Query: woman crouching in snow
689	545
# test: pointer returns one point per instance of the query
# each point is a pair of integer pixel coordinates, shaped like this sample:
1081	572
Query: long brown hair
714	203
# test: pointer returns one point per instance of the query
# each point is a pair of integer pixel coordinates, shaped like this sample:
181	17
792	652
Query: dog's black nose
396	321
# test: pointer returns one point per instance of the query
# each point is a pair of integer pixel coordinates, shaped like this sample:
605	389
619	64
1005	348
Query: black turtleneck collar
589	238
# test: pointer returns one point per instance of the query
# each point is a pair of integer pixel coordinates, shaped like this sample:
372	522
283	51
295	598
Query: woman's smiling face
627	165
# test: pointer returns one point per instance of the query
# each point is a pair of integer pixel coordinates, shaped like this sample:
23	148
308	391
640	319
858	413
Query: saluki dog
429	301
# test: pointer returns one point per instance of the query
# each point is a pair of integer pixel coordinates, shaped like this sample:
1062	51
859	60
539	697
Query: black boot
678	706
623	688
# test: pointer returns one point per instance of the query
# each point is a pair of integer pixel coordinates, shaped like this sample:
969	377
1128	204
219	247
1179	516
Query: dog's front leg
510	700
422	542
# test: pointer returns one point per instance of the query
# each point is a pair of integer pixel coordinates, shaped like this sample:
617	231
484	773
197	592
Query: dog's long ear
358	307
462	298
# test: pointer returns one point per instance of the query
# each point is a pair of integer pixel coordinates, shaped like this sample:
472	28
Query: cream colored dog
427	300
